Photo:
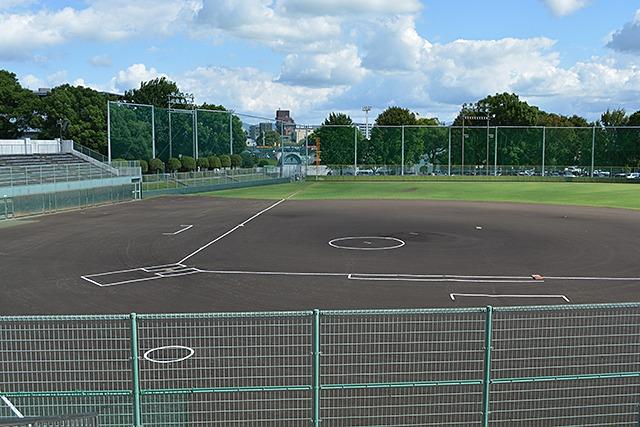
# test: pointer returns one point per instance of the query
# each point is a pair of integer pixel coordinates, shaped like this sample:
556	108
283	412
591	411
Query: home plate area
123	277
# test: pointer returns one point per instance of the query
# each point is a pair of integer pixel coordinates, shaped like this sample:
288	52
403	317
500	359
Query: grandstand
38	176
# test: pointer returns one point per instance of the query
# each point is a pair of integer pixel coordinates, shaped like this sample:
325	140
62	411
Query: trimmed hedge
174	165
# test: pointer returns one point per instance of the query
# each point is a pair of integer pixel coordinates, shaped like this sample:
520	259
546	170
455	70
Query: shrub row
189	164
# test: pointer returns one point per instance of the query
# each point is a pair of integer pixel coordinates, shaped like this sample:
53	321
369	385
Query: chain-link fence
552	365
144	132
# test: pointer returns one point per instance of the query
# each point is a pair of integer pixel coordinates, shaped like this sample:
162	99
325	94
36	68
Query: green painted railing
545	365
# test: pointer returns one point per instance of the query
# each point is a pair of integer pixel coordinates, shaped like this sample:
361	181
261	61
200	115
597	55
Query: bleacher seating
47	168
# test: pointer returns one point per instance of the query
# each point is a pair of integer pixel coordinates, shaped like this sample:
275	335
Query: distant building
254	131
265	127
284	122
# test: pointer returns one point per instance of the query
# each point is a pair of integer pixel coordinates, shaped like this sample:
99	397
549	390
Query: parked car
364	172
634	175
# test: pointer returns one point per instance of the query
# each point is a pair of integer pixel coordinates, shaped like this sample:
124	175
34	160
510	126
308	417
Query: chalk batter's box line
157	272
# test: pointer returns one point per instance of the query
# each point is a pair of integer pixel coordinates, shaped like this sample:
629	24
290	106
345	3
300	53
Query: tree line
568	140
79	113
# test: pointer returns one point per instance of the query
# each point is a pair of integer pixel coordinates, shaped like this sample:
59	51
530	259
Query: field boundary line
454	295
242	224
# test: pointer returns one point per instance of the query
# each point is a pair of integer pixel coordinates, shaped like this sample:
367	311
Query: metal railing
13	176
176	180
76	420
548	365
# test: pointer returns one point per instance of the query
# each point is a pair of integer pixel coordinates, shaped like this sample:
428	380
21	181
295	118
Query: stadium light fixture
366	110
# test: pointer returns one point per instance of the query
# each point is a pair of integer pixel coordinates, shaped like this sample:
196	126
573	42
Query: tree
18	107
434	140
337	141
153	92
634	119
214	162
269	138
144	166
156	166
202	163
236	161
248	159
386	138
213	131
225	161
188	164
617	117
85	111
174	164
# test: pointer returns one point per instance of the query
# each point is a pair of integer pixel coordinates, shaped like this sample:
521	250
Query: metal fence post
137	418
355	150
544	146
402	167
449	161
593	149
488	332
109	130
316	368
495	153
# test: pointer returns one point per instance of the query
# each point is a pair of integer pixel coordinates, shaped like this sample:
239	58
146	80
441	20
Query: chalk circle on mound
372	243
169	354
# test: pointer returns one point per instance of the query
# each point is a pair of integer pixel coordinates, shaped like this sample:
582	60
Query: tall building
284	122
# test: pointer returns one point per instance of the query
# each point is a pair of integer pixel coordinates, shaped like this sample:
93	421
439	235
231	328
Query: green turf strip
585	194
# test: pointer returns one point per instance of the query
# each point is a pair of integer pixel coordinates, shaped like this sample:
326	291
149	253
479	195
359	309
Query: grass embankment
583	194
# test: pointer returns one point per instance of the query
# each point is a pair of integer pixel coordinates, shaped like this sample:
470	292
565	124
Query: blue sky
318	56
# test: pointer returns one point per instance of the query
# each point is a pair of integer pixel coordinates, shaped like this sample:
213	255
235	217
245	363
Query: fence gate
7	210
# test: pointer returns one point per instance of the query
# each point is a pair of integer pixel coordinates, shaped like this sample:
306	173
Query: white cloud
351	7
627	39
341	67
103	60
132	77
103	20
32	82
565	7
394	45
251	90
257	20
8	4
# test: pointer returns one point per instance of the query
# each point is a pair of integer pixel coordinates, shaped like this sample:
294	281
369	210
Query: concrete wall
29	146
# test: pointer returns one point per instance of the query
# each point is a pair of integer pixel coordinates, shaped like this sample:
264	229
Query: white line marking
616	279
399	243
13	408
441	278
113	272
230	231
190	352
179	231
90	281
384	277
273	273
454	295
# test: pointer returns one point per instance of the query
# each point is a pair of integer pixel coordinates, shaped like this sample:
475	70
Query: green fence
53	201
548	365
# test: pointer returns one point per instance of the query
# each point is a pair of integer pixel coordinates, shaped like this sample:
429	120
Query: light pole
366	110
477	108
231	132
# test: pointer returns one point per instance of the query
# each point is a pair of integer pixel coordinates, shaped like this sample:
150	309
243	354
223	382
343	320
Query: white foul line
231	231
453	296
608	279
186	227
13	408
440	278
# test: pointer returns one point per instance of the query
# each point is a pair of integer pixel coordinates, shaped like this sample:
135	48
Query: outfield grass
583	194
